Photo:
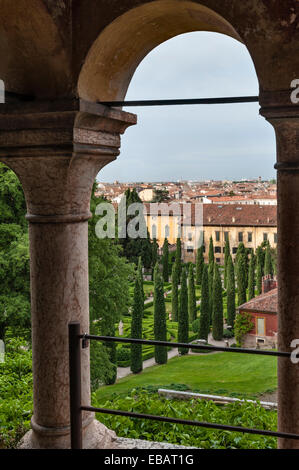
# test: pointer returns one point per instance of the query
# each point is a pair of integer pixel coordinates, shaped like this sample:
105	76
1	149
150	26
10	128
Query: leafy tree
183	326
135	247
243	324
14	255
241	278
211	252
231	293
175	293
109	277
136	324
199	265
251	277
204	319
159	317
217	319
226	256
165	261
191	295
160	195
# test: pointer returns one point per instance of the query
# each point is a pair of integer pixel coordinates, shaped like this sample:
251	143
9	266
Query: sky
197	142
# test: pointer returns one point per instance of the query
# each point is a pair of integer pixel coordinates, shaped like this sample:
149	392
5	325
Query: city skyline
219	142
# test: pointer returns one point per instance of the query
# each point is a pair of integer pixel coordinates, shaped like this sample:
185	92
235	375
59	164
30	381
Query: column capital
278	104
57	150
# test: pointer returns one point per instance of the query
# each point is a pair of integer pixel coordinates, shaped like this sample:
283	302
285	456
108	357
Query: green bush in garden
16	384
237	414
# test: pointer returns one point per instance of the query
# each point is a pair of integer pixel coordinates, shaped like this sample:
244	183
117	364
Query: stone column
284	117
57	156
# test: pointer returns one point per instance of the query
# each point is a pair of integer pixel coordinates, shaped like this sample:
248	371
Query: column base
95	436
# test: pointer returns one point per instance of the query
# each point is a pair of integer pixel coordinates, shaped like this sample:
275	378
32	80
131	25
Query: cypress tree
217	320
211	252
178	257
155	248
210	277
175	293
199	265
159	317
259	277
183	326
231	293
165	261
136	325
241	278
191	295
268	261
204	319
226	256
251	277
140	275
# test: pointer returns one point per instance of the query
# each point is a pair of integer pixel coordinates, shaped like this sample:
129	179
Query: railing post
75	385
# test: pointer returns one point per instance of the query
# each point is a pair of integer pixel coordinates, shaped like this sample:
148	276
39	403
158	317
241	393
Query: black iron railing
77	340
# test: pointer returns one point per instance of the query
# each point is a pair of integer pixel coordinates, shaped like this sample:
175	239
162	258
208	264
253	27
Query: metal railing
77	340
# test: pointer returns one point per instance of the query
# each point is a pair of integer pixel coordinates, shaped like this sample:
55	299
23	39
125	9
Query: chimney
268	283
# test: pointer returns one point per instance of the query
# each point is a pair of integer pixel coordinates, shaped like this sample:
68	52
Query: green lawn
231	374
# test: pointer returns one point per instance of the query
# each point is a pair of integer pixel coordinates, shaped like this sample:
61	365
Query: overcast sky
195	142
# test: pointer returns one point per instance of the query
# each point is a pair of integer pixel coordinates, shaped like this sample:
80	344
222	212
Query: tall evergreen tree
241	278
210	277
259	277
217	320
136	325
139	246
159	317
191	295
251	277
183	326
140	275
211	252
226	256
268	261
175	293
199	265
165	261
155	248
231	293
204	319
178	257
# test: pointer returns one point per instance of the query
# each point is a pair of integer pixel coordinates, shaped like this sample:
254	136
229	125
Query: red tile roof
264	303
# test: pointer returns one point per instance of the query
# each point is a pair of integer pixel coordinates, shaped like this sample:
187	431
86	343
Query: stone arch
121	46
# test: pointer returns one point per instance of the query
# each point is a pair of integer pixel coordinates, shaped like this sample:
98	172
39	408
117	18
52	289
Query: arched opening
115	55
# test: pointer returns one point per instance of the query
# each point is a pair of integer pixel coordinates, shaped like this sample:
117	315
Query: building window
217	249
249	237
189	237
154	231
189	249
218	260
166	231
240	237
203	248
260	326
275	237
265	236
217	236
226	234
234	250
